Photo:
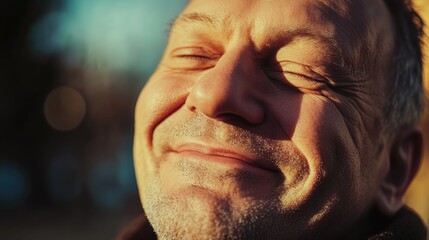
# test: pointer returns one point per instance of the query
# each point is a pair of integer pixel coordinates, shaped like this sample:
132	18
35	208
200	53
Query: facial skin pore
262	120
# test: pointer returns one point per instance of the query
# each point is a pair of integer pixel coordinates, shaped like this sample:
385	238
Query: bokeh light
126	174
104	185
13	185
112	180
126	35
64	108
64	179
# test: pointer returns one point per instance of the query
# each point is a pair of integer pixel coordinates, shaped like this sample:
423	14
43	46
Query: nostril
192	108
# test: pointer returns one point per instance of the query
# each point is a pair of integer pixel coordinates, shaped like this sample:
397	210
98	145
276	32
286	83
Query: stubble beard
201	215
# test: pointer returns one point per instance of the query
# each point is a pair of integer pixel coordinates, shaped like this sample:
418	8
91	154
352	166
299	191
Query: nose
228	90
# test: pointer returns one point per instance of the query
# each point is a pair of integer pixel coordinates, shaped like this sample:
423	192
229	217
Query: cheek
162	95
315	127
322	136
160	98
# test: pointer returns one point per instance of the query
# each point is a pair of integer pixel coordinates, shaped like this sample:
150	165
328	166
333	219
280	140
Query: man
283	119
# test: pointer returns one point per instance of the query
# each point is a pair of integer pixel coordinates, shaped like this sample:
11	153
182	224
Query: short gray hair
405	99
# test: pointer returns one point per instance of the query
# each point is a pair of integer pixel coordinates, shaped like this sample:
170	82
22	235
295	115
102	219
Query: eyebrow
288	35
200	18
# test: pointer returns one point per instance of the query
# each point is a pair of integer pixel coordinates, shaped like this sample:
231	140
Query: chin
196	213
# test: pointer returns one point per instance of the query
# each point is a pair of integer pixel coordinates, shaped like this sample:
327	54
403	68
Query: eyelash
308	78
198	57
304	81
190	61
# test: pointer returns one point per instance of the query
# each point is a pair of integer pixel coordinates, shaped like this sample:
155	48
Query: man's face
262	120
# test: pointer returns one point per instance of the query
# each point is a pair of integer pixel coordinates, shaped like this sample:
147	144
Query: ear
404	158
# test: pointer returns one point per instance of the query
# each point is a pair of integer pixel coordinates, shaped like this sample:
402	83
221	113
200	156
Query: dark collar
405	225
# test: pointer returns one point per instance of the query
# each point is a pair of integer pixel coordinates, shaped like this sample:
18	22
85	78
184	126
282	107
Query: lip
219	153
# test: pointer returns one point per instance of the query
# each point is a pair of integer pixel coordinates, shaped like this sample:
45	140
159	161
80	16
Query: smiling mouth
224	156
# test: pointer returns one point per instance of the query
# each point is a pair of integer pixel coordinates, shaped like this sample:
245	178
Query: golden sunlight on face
255	125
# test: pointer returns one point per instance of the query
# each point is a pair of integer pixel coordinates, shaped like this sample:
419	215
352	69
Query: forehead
351	28
260	14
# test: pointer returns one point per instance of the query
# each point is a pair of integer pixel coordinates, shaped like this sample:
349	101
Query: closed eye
296	76
191	58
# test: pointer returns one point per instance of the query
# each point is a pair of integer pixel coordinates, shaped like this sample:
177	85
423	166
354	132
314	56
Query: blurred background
70	73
